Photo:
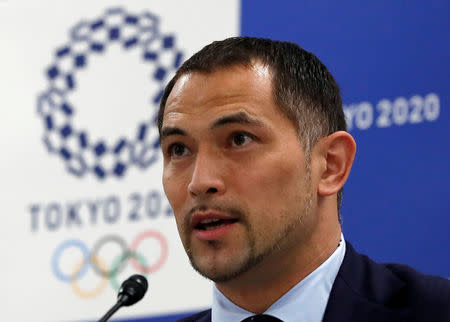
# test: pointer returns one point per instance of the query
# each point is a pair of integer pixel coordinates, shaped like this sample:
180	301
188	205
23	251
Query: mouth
214	223
211	225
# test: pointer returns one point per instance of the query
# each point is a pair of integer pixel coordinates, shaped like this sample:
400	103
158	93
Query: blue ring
57	254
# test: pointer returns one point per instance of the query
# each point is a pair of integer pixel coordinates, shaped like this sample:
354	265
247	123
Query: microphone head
132	290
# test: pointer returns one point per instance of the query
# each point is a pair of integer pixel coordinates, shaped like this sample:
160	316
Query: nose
206	177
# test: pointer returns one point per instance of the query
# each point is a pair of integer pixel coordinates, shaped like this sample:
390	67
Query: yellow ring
89	293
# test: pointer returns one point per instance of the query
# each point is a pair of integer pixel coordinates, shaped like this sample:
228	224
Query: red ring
162	258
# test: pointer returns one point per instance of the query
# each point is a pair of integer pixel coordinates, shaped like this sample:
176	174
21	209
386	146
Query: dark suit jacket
371	292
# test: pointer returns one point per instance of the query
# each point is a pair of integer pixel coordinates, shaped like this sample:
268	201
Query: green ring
117	261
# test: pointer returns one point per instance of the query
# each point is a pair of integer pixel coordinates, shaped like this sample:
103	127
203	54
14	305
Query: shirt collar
306	301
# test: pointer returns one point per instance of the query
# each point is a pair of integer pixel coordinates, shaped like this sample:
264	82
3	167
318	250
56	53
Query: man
255	158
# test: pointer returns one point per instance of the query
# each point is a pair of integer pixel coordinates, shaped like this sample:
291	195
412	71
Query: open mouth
210	224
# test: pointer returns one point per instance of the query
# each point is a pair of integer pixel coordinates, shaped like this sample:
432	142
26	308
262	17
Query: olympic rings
96	249
93	259
161	259
58	251
92	293
114	283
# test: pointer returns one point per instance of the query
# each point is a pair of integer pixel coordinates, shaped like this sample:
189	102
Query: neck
257	289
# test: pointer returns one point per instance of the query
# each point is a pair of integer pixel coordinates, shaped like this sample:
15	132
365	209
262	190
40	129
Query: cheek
175	185
271	194
274	180
175	197
175	189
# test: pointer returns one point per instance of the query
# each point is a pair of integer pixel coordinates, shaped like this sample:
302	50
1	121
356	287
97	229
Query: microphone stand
131	291
117	306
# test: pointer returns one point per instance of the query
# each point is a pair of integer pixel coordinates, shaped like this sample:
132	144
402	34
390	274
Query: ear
338	150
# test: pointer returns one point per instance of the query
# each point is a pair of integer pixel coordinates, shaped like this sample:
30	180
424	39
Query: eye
241	139
177	150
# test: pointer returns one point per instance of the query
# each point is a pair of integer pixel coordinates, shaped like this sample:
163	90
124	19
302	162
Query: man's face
234	172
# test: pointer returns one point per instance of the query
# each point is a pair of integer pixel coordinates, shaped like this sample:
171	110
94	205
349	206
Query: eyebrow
239	118
168	131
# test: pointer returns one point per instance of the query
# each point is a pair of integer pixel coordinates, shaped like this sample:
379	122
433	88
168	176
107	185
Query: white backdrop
77	168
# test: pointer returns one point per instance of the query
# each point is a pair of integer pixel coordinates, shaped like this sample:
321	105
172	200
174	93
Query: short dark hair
303	88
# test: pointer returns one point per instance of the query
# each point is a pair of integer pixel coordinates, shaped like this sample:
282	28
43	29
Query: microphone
131	291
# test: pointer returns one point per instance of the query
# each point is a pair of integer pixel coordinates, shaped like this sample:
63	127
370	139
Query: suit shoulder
200	316
425	284
424	290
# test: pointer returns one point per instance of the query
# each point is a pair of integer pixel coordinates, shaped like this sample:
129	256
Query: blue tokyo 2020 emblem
81	153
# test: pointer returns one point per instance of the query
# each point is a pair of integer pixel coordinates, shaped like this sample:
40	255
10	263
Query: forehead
199	94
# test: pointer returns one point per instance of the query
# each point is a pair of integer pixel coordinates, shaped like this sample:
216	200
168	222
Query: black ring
96	248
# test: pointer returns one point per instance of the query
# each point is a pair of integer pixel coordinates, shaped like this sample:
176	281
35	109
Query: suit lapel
364	291
206	317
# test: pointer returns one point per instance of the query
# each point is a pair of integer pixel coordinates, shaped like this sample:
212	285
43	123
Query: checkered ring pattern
81	153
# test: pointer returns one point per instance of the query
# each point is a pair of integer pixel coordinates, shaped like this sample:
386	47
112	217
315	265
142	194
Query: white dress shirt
305	302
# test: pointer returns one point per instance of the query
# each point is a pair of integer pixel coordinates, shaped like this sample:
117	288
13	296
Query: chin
221	272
